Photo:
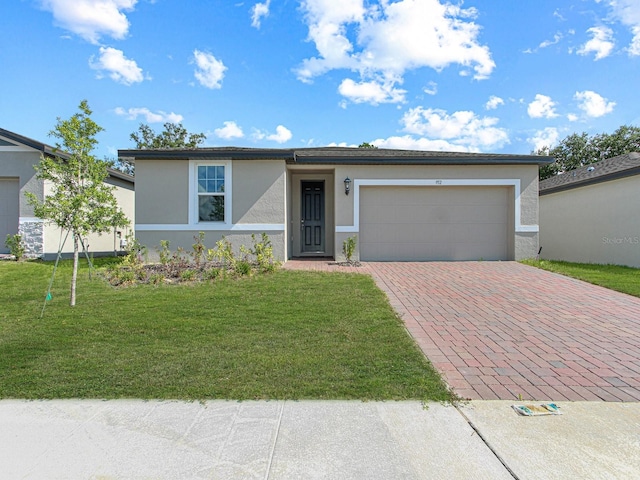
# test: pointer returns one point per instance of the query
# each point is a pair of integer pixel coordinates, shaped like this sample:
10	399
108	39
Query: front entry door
312	217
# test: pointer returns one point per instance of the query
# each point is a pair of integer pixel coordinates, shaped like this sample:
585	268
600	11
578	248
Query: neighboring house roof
603	171
50	151
341	155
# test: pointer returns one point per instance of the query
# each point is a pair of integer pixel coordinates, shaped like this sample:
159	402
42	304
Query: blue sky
499	76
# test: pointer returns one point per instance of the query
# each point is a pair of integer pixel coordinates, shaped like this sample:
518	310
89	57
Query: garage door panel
400	215
434	223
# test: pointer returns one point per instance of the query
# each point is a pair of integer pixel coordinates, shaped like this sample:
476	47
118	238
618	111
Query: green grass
286	335
616	277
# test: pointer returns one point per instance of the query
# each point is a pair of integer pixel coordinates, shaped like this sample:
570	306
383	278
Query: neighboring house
401	205
18	157
592	214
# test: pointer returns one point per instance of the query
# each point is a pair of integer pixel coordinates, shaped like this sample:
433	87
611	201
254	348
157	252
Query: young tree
577	150
79	202
366	145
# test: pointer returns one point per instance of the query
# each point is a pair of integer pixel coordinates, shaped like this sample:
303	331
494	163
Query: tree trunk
74	276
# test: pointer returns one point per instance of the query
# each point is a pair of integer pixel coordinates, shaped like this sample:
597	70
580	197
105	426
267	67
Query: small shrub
15	245
188	275
156	279
211	274
177	263
199	250
121	276
243	267
224	253
349	248
136	249
164	252
263	251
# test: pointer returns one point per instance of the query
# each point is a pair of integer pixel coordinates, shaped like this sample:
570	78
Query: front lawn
615	277
293	335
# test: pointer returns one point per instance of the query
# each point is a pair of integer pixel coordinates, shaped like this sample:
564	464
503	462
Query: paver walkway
498	330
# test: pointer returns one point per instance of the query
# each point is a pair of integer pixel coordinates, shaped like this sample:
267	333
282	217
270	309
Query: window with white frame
210	193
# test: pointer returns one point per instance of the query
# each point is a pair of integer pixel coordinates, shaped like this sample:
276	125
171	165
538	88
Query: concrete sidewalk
132	439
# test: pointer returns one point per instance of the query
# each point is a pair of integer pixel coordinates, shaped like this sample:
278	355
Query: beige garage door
9	209
435	223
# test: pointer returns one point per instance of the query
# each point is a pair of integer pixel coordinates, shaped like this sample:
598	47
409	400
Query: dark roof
340	155
50	151
29	142
603	171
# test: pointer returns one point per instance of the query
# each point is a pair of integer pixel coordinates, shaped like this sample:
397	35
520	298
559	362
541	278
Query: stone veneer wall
32	232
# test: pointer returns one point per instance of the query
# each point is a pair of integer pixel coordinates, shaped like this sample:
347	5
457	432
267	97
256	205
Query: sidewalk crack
486	442
275	441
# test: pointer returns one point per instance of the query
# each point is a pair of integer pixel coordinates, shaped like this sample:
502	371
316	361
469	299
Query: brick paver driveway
497	330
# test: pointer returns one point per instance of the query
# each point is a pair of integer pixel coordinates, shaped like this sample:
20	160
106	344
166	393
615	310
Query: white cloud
149	116
371	92
634	47
547	43
387	39
493	102
408	142
258	11
90	19
593	104
463	128
544	138
229	131
628	13
119	68
542	107
572	117
601	43
209	70
282	135
431	88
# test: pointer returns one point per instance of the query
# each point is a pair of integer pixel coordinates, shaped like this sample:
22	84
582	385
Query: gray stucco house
18	156
592	214
401	205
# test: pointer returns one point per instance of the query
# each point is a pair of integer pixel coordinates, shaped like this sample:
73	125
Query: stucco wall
20	164
258	191
163	203
40	239
162	192
97	244
593	224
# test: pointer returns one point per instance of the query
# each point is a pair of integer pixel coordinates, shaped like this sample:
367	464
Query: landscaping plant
15	245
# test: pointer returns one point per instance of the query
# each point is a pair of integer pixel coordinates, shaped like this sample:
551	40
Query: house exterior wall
20	164
597	223
166	200
523	179
108	243
265	197
17	163
42	240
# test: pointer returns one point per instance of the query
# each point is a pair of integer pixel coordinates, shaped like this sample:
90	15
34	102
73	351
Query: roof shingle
605	170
